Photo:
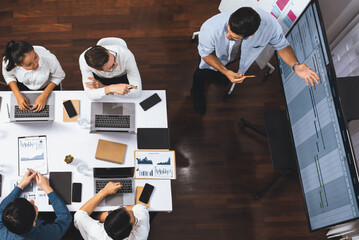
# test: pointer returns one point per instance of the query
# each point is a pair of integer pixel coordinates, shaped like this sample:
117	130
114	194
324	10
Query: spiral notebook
110	151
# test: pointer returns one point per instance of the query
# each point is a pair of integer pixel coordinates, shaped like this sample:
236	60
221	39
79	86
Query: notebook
110	151
61	183
153	138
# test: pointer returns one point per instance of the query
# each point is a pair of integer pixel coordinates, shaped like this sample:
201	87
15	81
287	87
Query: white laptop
47	114
113	116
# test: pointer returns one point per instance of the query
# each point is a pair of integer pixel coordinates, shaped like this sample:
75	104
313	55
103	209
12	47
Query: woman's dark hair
18	216
96	57
117	224
244	22
15	53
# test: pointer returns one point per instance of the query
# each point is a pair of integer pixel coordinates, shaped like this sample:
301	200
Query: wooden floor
219	165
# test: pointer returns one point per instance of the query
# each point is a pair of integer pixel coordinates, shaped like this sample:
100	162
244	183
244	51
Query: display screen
325	159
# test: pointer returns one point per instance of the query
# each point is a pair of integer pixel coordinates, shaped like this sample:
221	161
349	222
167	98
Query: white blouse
126	65
49	70
92	229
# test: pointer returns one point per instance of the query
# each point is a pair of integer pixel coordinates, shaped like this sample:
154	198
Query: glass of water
84	169
83	121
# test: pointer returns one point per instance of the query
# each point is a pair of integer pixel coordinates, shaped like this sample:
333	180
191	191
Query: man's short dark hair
117	224
96	57
18	216
244	22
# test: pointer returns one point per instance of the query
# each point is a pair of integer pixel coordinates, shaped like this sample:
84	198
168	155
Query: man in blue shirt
243	34
19	216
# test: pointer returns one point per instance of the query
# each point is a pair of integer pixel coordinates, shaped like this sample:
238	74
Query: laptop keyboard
112	121
126	185
28	114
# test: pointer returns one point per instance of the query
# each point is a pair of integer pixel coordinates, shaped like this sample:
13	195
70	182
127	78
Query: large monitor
326	162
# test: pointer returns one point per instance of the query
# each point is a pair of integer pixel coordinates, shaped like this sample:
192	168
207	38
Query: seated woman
109	70
26	67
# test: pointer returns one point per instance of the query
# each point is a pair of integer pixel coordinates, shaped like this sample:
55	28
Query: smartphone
70	109
146	193
150	101
76	192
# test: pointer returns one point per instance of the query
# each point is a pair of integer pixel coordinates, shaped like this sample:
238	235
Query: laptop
112	117
47	114
126	195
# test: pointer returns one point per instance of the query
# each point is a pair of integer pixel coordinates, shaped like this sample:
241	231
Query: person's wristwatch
295	64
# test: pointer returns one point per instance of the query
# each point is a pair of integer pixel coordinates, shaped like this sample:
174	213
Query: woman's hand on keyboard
22	102
112	187
40	103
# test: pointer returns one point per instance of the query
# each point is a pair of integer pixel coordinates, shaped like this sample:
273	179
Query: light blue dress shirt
212	39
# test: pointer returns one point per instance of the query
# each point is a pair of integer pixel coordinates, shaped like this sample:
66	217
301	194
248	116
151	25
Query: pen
249	76
30	170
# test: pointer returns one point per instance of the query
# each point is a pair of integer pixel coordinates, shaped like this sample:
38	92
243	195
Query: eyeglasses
114	54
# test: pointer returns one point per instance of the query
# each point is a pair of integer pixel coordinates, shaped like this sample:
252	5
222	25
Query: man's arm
63	216
214	61
28	176
302	70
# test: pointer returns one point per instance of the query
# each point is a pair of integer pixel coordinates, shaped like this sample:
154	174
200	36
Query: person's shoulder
45	54
266	18
216	21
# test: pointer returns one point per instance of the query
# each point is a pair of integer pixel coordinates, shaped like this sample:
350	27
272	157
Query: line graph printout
323	165
32	154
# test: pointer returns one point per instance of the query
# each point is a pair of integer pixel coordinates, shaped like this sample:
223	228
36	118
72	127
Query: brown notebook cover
65	117
139	190
110	151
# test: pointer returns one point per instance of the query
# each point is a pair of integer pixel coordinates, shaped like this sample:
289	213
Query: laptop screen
113	172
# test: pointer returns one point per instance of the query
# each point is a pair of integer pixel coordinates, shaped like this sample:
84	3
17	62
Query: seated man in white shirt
26	67
130	222
109	70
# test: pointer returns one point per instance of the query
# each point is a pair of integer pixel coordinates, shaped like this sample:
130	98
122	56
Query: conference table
64	138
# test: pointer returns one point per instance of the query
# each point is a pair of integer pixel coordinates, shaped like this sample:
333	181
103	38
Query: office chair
112	41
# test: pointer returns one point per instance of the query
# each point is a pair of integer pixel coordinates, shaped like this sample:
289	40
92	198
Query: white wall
337	14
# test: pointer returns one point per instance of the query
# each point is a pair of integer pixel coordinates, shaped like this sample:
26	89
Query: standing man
130	222
243	34
19	216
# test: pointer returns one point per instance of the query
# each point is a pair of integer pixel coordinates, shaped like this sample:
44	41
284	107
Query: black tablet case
153	138
61	183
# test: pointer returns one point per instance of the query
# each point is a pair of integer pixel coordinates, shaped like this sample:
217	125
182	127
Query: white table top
65	138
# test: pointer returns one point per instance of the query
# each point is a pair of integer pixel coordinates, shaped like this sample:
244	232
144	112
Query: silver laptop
126	195
112	117
47	114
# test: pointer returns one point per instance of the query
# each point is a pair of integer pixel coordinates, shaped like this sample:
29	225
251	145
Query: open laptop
113	117
126	195
47	114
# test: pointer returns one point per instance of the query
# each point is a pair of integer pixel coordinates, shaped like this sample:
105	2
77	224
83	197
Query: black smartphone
150	101
146	193
70	109
76	192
